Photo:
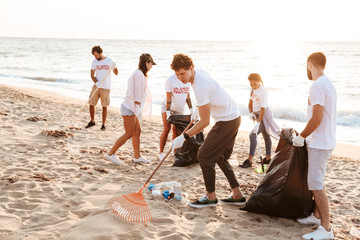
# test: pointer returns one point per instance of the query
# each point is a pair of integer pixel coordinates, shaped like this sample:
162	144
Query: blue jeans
253	142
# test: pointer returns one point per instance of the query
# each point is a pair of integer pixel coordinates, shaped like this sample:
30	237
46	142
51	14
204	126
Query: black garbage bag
283	192
187	154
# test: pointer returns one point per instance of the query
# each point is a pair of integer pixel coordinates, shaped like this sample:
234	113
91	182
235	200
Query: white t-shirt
322	92
101	68
259	98
207	90
179	92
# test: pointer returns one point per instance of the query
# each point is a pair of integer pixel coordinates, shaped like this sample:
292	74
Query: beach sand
58	187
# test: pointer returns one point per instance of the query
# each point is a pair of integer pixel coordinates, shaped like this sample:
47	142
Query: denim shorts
125	111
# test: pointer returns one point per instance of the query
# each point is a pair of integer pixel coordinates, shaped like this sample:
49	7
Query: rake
132	207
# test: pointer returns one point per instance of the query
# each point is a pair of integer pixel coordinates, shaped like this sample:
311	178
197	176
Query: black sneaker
231	201
103	127
203	202
265	161
246	164
90	124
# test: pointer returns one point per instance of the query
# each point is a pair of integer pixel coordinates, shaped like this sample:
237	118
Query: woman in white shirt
135	103
261	113
177	94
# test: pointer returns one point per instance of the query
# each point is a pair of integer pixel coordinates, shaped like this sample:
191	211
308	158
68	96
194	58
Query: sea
63	66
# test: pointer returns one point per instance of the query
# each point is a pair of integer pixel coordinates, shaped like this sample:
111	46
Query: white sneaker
319	234
161	156
141	160
114	159
309	220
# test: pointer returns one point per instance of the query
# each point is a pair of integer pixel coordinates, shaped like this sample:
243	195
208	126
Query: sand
58	187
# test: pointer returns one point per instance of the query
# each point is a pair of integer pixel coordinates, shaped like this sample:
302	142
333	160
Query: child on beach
137	96
177	94
261	113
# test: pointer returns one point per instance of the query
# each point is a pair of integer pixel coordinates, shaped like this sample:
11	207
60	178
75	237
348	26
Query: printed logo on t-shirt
183	90
254	97
102	67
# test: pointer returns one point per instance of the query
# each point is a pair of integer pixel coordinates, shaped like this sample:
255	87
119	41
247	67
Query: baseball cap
147	57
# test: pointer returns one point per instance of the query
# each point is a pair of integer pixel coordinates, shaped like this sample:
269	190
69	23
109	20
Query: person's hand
252	116
298	141
178	142
256	128
194	114
98	84
168	114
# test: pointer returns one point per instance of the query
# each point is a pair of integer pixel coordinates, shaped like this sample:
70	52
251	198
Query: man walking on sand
213	101
320	139
102	66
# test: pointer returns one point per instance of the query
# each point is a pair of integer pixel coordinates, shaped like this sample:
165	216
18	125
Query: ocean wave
44	79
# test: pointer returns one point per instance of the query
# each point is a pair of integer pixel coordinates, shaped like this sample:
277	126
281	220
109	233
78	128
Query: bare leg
237	193
92	113
104	115
322	206
136	138
129	125
211	196
165	133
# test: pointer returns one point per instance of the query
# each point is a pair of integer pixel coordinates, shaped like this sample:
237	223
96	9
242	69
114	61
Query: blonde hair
255	77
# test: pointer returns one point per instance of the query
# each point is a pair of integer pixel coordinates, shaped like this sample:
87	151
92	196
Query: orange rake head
131	208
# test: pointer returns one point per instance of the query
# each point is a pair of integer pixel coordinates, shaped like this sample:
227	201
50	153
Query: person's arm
314	122
204	113
168	100
139	85
92	75
250	106
188	101
115	70
261	116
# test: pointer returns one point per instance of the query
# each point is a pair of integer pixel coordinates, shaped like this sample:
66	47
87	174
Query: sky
253	20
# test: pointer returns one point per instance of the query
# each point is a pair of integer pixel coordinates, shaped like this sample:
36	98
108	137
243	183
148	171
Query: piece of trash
101	170
260	170
84	168
36	119
74	128
57	133
173	190
4	114
40	177
354	232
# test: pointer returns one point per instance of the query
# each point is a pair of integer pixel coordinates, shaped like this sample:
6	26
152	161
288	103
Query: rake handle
161	162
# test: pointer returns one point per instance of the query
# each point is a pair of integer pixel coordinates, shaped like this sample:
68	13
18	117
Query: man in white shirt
101	66
320	139
212	101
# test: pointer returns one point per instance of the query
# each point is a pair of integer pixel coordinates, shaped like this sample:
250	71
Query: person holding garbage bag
213	101
262	115
319	133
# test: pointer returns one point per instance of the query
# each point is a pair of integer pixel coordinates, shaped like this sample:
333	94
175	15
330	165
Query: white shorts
317	159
